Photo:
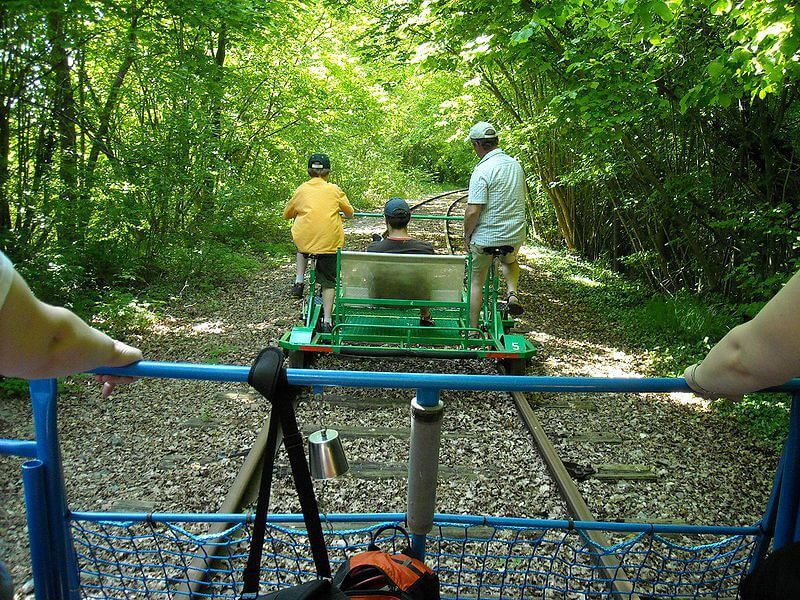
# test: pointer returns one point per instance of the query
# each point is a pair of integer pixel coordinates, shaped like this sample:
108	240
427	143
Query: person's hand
691	380
123	355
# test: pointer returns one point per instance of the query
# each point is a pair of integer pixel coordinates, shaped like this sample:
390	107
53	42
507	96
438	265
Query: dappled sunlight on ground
210	327
585	281
690	400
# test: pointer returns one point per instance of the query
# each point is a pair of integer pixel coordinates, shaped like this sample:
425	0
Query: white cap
482	131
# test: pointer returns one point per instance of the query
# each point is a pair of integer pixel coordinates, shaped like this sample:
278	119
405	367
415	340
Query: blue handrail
441	381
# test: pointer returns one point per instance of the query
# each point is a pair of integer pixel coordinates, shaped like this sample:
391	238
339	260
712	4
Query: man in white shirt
495	215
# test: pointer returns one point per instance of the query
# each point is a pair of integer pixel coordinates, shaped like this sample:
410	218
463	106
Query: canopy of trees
159	138
661	134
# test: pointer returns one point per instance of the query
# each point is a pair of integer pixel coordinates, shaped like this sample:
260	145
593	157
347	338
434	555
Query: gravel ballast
178	445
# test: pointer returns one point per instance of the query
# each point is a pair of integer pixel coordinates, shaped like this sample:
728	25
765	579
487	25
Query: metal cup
326	455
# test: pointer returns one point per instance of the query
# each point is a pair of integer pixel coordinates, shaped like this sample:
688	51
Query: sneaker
513	305
376	237
427	322
325	327
297	290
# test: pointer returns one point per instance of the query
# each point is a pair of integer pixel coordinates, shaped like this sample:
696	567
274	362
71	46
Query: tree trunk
69	211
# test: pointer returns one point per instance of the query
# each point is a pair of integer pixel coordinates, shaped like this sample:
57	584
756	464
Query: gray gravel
177	446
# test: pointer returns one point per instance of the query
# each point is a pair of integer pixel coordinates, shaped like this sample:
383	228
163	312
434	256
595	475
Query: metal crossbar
112	555
474	558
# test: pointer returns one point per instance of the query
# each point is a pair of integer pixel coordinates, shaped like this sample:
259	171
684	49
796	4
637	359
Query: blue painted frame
53	556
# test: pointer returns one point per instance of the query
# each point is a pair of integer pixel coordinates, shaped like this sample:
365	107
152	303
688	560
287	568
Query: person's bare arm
471	216
39	341
760	353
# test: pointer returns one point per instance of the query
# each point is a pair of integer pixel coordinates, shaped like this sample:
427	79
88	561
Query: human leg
327	304
480	268
326	277
301	262
511	272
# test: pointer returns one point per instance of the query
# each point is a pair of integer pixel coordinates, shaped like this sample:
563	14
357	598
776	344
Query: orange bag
378	575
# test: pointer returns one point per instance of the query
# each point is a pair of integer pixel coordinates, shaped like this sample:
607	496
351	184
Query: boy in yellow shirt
317	229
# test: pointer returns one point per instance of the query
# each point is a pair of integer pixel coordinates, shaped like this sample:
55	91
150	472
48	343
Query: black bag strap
268	377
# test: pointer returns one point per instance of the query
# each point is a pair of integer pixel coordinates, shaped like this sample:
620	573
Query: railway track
378	443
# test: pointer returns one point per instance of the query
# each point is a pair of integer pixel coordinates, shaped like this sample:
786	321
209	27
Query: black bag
393	576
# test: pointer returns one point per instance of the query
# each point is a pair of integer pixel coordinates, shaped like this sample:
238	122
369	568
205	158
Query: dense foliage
158	140
660	134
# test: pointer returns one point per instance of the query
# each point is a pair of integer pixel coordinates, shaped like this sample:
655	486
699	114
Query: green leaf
721	7
522	36
600	22
715	69
662	10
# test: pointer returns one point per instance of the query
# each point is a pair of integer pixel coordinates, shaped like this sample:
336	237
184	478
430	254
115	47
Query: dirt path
157	443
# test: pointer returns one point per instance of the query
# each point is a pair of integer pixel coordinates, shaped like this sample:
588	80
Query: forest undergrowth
672	331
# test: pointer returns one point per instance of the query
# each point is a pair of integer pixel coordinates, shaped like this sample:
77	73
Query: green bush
121	312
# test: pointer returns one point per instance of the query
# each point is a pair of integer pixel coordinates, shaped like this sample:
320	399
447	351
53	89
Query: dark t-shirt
404	281
395	246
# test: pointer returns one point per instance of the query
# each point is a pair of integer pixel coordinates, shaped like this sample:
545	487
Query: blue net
162	559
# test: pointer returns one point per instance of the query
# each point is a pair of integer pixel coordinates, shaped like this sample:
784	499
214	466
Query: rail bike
378	302
100	554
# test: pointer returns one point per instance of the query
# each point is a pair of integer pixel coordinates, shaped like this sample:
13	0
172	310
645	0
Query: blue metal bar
418	543
770	516
789	498
440	519
148	368
428	398
64	563
23	448
33	481
501	383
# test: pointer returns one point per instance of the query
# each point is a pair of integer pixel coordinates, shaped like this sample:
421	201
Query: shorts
481	261
326	270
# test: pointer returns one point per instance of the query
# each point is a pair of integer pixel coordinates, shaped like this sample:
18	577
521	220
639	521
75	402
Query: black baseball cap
319	161
396	207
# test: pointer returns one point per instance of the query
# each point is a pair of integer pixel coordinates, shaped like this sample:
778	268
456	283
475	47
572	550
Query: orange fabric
315	209
402	576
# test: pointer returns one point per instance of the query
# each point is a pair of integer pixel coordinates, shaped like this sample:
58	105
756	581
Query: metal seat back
419	277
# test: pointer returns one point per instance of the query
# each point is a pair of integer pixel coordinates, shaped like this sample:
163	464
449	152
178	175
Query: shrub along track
177	446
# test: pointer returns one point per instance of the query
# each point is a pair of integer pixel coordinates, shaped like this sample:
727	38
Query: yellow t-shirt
315	209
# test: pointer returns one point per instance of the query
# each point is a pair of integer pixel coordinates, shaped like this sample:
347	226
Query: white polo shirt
498	183
6	277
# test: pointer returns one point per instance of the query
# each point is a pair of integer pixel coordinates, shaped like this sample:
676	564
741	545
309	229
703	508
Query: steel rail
413	216
576	505
436	197
447	232
243	492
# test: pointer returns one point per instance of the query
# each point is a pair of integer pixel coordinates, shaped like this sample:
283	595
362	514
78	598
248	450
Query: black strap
268	377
